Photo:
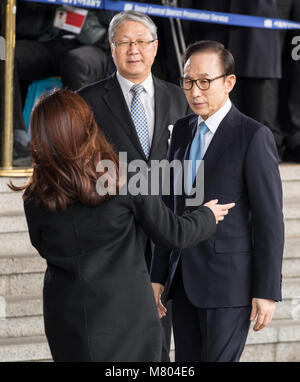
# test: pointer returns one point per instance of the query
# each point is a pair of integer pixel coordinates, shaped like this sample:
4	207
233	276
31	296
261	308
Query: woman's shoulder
33	206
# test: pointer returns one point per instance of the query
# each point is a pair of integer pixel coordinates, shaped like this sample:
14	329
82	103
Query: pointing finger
227	206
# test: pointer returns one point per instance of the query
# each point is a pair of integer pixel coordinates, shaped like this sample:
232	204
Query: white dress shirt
213	123
147	98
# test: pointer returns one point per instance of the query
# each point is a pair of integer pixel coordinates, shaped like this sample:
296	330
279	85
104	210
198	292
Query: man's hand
263	310
158	290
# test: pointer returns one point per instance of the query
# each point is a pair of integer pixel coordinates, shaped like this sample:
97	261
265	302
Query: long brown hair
66	145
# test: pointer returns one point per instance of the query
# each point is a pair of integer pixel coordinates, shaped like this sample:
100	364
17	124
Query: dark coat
244	258
256	51
98	300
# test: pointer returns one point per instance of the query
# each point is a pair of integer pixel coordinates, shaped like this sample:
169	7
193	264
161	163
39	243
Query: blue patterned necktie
139	118
196	153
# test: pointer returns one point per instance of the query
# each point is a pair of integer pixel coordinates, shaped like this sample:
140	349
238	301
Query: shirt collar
126	85
214	120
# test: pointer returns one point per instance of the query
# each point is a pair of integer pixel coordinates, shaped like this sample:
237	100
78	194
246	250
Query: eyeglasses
141	44
202	83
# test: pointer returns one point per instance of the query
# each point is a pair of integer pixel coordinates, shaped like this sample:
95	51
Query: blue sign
181	13
97	4
202	16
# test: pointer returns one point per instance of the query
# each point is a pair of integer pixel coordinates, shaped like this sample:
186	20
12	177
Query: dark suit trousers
207	335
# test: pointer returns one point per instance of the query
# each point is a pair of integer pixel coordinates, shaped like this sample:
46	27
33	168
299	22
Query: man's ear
112	49
230	82
156	46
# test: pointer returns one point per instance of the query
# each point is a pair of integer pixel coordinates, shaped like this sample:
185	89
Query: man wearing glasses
134	109
221	284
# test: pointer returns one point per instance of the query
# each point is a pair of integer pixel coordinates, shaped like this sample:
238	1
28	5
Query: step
21	284
11	202
288	352
291	209
16	181
290	185
291	268
292	228
292	248
21	326
13	223
31	283
280	352
17	222
288	309
21	264
16	243
259	353
33	306
291	288
291	189
24	349
276	331
16	306
278	342
289	172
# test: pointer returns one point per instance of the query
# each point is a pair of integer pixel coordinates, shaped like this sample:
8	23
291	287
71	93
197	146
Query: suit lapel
193	123
116	102
186	142
161	105
221	140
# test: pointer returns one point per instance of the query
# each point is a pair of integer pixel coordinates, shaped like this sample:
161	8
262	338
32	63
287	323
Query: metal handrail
8	27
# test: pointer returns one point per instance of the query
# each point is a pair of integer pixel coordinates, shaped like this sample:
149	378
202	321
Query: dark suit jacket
244	258
113	117
247	45
98	299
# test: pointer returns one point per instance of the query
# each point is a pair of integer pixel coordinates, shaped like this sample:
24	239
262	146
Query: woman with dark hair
97	296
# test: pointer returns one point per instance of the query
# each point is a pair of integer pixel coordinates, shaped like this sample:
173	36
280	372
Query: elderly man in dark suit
134	109
220	285
134	45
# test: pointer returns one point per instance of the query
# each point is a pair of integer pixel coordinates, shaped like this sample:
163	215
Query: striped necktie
139	118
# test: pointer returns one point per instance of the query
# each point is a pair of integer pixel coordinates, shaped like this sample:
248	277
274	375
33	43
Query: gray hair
139	17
